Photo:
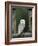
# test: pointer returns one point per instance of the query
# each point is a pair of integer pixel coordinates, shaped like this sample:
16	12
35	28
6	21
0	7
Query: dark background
22	13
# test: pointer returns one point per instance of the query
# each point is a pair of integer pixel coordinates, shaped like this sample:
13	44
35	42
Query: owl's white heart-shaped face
22	21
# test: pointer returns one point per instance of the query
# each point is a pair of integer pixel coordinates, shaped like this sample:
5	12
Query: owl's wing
20	28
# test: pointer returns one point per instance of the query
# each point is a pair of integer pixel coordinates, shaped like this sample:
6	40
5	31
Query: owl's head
22	21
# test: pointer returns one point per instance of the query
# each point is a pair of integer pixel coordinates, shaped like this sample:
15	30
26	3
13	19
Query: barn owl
21	26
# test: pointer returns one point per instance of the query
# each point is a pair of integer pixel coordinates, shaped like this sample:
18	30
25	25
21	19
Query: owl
21	26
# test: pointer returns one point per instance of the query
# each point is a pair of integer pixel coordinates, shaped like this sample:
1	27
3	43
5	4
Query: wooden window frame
7	22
